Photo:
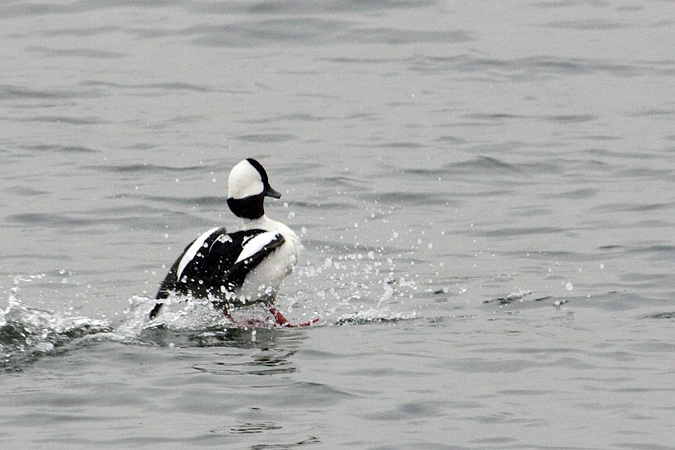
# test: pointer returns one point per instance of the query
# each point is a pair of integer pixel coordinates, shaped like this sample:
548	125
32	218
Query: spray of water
28	333
352	288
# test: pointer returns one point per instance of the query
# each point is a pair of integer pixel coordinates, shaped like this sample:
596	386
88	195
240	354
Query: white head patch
244	181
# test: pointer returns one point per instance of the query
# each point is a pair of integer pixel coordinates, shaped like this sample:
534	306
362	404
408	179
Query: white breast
265	279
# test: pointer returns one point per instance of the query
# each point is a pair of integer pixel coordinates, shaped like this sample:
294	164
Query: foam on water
27	333
347	289
348	285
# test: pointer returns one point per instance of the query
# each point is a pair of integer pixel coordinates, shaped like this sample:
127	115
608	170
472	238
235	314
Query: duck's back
218	264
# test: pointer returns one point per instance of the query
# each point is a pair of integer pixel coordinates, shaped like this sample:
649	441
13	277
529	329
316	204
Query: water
484	193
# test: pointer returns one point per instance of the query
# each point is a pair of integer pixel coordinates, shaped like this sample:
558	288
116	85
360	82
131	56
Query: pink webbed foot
229	316
284	322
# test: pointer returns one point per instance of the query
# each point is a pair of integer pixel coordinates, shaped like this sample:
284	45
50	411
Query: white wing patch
255	244
192	251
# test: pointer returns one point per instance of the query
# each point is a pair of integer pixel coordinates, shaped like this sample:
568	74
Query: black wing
217	263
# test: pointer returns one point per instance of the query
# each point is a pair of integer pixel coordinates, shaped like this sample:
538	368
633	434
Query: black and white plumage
238	268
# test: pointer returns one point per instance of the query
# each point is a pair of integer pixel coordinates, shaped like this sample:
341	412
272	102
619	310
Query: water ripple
77	52
8	92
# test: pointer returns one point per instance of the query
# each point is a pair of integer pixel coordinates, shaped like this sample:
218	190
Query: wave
27	333
361	289
374	315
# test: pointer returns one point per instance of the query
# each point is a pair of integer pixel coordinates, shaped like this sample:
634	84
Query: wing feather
192	250
216	263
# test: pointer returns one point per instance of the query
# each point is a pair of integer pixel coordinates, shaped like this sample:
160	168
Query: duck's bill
271	192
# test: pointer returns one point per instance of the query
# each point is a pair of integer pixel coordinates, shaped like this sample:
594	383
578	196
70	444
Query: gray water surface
484	191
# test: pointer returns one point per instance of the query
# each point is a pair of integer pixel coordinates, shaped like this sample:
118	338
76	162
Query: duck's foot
229	316
284	322
279	320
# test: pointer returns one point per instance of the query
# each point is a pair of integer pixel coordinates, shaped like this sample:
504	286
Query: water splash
348	289
374	315
517	296
359	285
27	333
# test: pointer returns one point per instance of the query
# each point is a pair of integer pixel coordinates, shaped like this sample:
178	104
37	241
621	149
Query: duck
240	268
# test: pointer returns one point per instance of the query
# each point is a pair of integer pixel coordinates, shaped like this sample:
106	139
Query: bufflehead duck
245	267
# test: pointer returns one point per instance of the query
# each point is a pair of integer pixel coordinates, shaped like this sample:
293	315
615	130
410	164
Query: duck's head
248	186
